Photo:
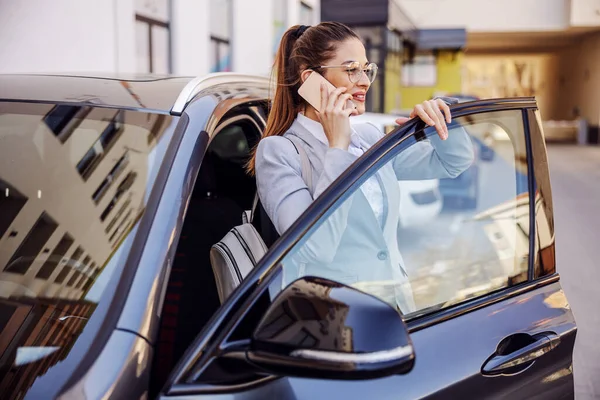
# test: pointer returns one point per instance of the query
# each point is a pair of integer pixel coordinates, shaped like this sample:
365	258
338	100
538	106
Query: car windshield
74	183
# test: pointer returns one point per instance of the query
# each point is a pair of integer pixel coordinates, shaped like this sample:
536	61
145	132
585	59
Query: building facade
182	37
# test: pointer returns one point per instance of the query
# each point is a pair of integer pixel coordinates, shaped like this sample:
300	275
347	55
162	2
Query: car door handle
503	361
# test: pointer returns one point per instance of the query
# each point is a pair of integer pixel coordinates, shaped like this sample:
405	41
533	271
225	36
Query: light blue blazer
350	246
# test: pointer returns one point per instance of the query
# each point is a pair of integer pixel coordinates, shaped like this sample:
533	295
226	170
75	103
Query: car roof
163	94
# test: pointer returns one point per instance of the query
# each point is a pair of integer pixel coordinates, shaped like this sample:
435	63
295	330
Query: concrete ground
575	176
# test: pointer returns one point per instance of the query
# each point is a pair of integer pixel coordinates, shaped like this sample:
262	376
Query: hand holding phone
317	90
311	91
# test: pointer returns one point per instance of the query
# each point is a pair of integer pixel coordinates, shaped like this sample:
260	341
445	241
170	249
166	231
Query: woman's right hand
335	117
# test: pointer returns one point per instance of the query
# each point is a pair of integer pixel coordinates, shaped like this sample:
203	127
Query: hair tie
301	30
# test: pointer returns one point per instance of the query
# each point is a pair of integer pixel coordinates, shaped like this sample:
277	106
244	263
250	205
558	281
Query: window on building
279	22
91	159
64	119
31	246
11	202
71	264
422	71
152	33
57	254
220	35
307	16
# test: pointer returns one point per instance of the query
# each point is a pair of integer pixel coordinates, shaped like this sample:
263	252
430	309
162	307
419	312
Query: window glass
220	19
142	47
279	22
441	222
160	50
306	14
65	229
152	42
220	35
422	71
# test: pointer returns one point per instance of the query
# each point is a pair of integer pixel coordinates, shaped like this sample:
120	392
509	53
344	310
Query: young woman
342	249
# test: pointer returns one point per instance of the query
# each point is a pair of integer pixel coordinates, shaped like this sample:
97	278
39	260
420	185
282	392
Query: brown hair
301	47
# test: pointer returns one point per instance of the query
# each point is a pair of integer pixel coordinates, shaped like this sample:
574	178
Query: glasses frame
363	70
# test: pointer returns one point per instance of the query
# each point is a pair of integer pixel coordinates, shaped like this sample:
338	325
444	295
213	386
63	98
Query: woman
335	51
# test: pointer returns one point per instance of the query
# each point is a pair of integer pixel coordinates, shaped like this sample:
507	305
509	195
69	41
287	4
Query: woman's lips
359	97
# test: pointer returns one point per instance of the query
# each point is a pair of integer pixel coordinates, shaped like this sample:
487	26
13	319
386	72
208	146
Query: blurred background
477	48
469	49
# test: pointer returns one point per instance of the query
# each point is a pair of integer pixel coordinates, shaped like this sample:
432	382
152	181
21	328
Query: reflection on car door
514	340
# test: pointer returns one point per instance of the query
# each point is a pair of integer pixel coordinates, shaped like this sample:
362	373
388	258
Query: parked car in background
420	201
114	190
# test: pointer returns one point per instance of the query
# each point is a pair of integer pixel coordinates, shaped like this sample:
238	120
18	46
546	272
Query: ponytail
284	106
300	47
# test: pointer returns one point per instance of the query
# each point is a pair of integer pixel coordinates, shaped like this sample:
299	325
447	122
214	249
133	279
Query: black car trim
531	187
479	302
91	104
119	298
189	389
251	288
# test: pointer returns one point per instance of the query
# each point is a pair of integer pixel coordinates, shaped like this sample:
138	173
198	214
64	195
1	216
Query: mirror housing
319	328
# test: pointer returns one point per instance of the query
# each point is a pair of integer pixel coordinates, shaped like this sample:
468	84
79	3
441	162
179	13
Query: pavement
575	178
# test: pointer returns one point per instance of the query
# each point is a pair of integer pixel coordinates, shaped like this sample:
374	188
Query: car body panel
122	370
447	368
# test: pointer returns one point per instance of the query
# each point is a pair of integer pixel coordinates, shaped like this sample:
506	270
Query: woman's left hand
430	111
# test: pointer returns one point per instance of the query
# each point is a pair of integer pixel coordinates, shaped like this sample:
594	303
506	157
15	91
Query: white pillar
252	36
124	17
190	37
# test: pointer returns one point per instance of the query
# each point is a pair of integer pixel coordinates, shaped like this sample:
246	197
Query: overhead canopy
364	13
440	39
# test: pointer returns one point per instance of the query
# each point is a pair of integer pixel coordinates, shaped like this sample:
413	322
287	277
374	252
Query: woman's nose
364	81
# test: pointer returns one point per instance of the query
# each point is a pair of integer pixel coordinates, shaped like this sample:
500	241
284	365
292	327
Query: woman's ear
304	75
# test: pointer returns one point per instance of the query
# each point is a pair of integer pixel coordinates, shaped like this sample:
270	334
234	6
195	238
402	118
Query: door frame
236	307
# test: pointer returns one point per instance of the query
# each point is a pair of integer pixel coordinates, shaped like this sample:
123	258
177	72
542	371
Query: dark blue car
114	190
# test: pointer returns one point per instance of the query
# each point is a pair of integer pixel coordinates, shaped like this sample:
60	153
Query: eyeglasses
355	70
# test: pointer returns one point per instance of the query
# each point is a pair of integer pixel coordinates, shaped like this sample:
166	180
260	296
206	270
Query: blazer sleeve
285	196
433	158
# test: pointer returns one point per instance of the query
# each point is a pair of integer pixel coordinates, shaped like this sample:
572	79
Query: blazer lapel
314	147
316	151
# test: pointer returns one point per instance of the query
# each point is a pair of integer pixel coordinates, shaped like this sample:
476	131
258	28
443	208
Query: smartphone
311	91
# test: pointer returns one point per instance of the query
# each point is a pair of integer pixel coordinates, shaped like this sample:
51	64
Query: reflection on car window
74	183
454	238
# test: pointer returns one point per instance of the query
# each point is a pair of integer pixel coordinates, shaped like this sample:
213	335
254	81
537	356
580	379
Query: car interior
222	193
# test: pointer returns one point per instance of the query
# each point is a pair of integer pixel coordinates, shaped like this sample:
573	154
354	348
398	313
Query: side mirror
323	329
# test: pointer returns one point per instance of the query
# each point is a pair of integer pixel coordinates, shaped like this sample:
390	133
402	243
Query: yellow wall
393	67
449	67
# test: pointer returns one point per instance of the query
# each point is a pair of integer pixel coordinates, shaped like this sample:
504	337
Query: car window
443	240
74	184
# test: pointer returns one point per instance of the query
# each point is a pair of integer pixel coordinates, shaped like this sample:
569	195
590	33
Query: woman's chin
360	109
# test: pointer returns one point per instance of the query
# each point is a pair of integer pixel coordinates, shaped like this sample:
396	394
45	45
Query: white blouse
371	188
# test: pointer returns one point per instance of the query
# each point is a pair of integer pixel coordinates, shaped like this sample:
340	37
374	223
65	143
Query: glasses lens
371	71
354	71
